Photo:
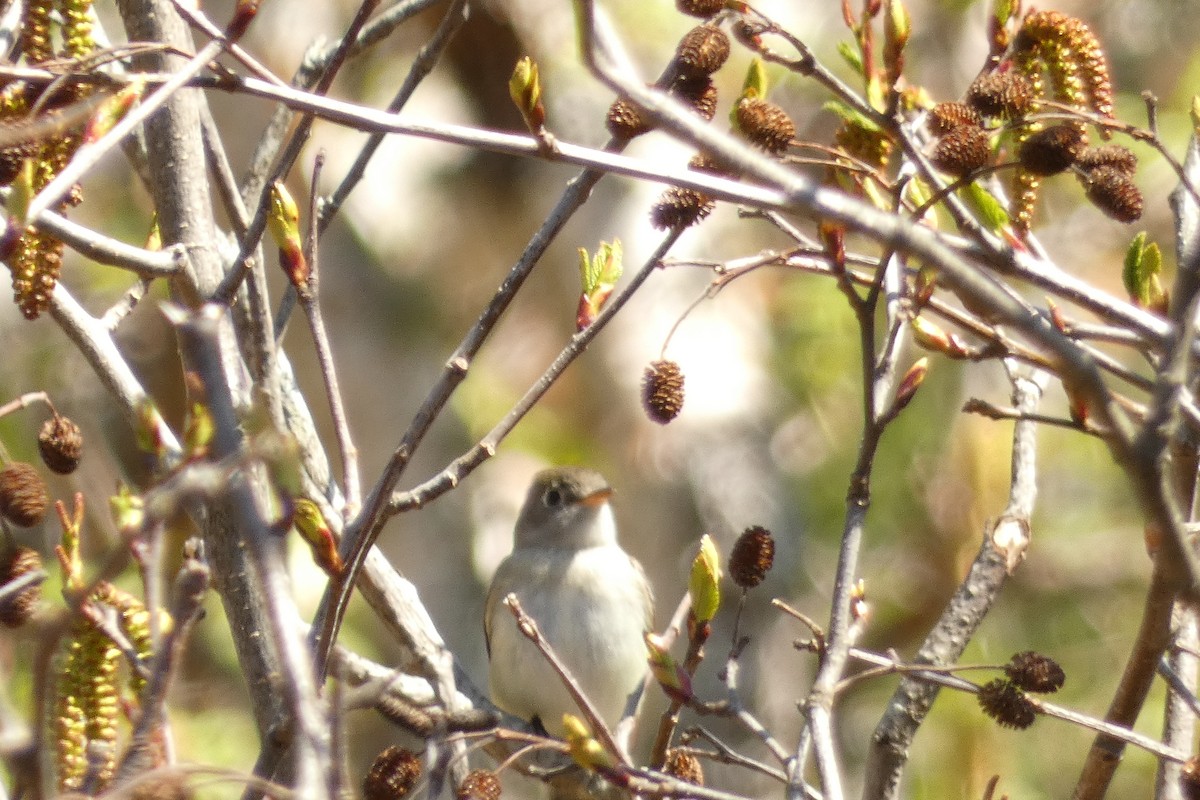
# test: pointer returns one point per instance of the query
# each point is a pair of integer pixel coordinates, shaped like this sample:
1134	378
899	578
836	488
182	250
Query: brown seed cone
1005	95
23	496
625	121
1053	150
16	610
752	557
662	391
60	443
699	93
1035	672
1189	779
699	8
680	208
945	117
684	766
1005	703
392	775
1111	191
962	150
765	124
480	784
1109	155
701	52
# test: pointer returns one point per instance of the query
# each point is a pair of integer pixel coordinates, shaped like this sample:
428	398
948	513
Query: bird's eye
552	498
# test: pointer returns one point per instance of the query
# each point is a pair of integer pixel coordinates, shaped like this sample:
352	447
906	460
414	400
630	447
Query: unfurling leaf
525	89
1142	275
598	276
704	584
283	222
310	524
673	679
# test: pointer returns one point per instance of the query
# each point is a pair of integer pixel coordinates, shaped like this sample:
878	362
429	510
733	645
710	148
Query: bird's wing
647	594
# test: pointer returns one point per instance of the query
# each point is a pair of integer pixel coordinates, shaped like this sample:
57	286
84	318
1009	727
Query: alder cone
16	610
23	495
1112	191
662	391
392	775
60	444
765	124
962	151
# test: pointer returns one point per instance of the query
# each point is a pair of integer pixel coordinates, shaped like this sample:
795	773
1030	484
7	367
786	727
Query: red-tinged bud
932	336
525	89
924	285
910	383
310	524
243	14
1057	317
1077	404
833	237
112	110
283	223
673	679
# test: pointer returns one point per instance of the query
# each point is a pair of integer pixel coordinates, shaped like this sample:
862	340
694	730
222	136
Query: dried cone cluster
752	557
16	610
1052	150
679	207
962	150
700	8
392	775
1034	672
765	124
1001	95
60	443
23	495
1109	155
1113	191
662	391
480	784
684	766
1001	700
945	117
701	52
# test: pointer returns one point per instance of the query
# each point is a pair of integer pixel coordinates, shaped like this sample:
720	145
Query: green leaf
987	208
755	84
850	116
588	275
851	56
1131	272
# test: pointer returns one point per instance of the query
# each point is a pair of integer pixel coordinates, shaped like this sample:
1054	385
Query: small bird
589	597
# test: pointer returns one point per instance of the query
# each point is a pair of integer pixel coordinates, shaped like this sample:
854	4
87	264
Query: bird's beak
597	498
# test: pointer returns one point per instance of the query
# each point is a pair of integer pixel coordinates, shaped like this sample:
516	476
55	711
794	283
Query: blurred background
769	429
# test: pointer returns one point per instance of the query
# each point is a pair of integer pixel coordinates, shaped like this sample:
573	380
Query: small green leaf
704	582
755	84
985	205
850	116
851	56
588	277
